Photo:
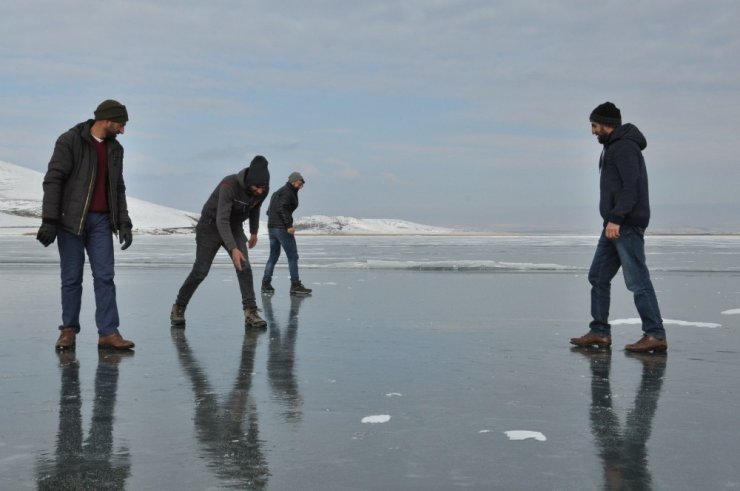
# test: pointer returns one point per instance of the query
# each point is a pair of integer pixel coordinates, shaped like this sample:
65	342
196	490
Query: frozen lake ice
453	350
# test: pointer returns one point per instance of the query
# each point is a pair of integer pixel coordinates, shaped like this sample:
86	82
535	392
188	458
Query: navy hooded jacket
624	182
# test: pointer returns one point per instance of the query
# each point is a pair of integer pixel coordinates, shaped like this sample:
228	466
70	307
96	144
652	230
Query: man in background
280	227
84	204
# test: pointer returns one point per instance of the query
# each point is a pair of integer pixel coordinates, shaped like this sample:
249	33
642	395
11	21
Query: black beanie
607	114
258	174
112	111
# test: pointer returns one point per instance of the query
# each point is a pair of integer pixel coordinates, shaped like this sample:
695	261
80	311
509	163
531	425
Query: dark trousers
97	240
627	252
208	242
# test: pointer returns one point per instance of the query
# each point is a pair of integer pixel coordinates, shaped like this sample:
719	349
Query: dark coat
283	203
230	205
70	179
624	181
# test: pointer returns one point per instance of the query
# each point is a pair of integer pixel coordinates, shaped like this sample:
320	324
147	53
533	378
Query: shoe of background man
647	344
114	341
66	339
267	288
177	315
253	319
591	339
297	288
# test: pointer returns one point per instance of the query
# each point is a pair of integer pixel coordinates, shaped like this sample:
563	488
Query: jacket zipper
111	205
87	198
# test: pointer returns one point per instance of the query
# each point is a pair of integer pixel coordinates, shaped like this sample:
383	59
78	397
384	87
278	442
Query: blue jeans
207	244
97	240
627	252
279	237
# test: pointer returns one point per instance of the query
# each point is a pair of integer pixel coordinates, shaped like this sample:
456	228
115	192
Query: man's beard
602	138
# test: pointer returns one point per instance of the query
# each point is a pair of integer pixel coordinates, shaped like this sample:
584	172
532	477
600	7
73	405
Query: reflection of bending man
235	454
92	464
281	359
624	453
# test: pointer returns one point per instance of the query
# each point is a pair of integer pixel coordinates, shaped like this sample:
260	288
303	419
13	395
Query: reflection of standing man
283	203
625	208
237	198
91	464
84	203
624	452
281	358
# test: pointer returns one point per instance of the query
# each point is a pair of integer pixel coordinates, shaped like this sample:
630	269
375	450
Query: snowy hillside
339	225
20	206
20	212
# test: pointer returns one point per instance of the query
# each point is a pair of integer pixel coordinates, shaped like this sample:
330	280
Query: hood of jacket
628	131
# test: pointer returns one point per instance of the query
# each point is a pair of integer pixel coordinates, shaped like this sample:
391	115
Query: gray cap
295	176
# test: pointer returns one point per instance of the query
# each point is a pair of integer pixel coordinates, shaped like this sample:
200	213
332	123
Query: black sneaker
297	288
267	288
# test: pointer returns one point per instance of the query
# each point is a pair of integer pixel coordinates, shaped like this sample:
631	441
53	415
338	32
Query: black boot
297	288
267	288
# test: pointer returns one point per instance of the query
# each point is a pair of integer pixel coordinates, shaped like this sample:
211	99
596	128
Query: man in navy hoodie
625	207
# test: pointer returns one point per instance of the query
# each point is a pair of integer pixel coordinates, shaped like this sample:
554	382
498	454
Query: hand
252	240
47	232
237	258
612	231
125	237
291	230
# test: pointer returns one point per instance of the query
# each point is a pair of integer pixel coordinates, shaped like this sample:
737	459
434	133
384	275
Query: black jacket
624	182
283	203
230	205
70	179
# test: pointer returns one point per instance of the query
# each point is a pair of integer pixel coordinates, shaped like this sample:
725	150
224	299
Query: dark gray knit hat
607	114
295	176
258	174
112	111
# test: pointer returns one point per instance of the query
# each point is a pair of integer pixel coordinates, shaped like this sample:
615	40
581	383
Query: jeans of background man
97	240
279	237
627	252
208	242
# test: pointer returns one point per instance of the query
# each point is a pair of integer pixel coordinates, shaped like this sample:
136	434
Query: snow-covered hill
340	225
20	206
20	211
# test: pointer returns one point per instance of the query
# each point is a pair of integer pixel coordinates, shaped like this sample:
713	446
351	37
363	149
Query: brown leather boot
647	344
591	339
66	339
114	341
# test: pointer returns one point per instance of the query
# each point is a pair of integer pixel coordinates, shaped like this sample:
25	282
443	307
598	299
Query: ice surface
474	353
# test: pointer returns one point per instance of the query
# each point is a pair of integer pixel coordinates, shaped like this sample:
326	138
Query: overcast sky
455	113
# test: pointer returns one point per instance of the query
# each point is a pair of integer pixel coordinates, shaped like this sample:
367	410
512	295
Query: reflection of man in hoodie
625	208
237	198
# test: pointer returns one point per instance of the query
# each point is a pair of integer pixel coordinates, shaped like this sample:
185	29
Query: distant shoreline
31	231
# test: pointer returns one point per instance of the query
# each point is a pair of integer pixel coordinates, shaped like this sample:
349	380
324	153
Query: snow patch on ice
484	431
710	325
394	394
525	435
731	312
376	418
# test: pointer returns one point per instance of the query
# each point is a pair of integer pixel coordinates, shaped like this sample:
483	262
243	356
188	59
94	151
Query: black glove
125	236
47	232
